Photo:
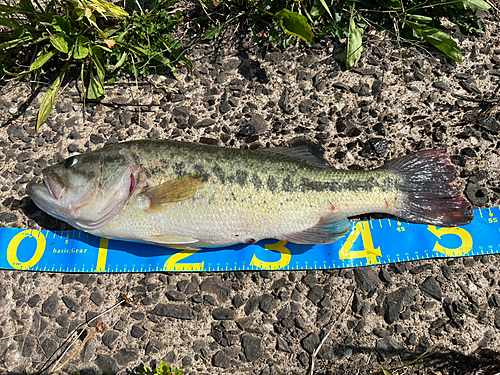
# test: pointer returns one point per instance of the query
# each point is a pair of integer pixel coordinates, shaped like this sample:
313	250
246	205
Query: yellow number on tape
102	255
369	252
14	244
172	265
279	264
460	232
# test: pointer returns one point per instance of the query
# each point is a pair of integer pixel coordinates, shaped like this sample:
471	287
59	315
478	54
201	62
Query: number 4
369	252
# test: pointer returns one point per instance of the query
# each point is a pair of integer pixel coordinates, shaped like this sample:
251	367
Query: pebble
173	311
106	364
387	347
97	298
476	194
223	314
109	337
432	288
315	294
310	342
489	124
394	302
174	295
220	359
33	300
267	303
251	305
126	355
282	345
405	129
50	305
13	110
215	286
137	331
49	346
366	278
251	346
71	303
154	346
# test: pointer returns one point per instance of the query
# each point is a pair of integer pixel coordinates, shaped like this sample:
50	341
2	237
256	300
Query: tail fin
427	184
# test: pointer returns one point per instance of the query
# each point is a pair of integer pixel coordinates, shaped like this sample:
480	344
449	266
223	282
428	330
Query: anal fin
330	228
170	241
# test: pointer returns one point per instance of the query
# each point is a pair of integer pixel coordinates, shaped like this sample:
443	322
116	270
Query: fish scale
234	210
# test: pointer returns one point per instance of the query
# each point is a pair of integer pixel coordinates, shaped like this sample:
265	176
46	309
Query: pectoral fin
329	229
176	190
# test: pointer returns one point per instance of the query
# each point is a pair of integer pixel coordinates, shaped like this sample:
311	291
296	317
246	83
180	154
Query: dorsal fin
308	153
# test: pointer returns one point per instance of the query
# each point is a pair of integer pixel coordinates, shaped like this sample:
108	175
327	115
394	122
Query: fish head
88	190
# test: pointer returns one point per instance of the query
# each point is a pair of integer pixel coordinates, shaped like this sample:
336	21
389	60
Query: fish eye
69	162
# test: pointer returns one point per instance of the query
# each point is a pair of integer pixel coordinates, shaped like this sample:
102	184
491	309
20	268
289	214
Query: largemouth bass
187	195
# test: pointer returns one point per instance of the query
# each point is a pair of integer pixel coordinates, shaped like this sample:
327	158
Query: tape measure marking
366	244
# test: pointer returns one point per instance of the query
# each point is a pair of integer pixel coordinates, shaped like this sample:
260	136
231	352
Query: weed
163	369
105	40
409	21
99	36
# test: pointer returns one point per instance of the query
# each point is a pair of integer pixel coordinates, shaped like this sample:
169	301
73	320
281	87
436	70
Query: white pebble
473	287
474	141
13	110
351	157
331	49
405	129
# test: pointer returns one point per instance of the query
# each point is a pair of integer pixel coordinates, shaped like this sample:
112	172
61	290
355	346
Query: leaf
60	24
81	47
48	99
95	52
120	62
420	18
294	24
472	5
37	64
326	7
14	43
438	39
61	42
41	60
214	32
96	89
395	4
354	45
107	9
27	5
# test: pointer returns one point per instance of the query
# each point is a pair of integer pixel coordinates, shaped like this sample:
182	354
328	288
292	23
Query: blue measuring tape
369	242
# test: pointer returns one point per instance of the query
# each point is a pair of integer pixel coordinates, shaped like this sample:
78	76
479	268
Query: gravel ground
247	95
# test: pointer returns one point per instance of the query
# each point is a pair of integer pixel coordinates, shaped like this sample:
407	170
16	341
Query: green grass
162	369
103	40
99	38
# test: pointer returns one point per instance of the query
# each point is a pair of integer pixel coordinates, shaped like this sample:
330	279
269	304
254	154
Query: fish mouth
43	196
55	186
